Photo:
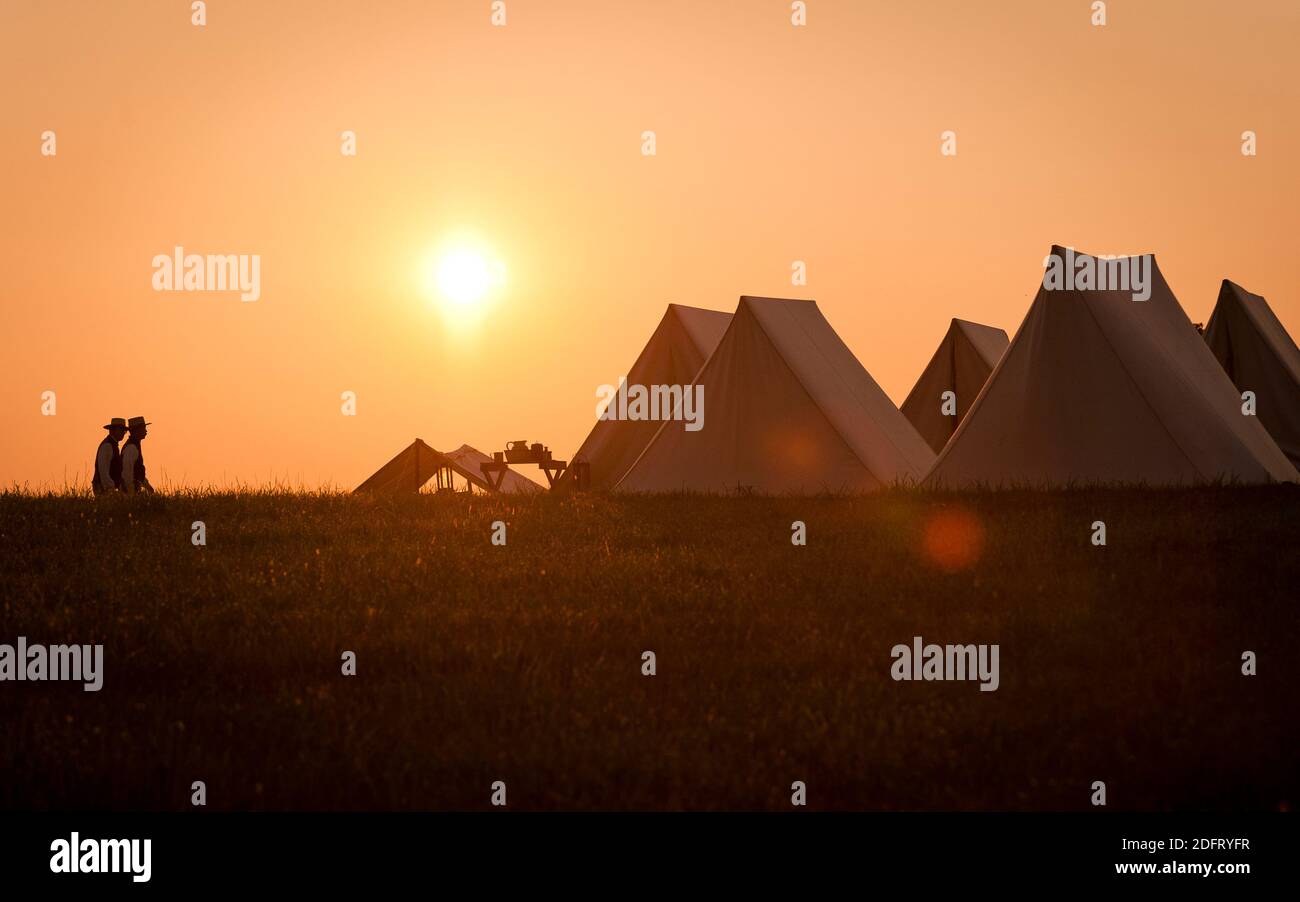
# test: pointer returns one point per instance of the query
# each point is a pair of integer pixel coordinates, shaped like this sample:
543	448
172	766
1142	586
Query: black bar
622	854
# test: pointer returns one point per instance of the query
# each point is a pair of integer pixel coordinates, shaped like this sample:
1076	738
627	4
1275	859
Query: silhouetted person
133	474
107	475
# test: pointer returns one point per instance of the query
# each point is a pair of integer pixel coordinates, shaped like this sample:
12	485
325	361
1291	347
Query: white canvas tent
787	409
968	353
1098	388
683	340
417	463
1259	356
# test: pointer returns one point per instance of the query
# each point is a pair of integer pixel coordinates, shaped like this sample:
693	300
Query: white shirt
129	456
103	464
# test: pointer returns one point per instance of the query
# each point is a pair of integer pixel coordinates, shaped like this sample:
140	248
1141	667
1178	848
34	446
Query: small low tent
680	344
417	463
1260	357
961	365
1098	387
787	408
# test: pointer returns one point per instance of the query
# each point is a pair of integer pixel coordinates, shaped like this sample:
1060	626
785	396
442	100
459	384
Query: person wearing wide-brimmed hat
133	474
107	475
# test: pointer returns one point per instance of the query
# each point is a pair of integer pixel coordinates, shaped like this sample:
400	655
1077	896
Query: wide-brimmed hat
116	421
136	423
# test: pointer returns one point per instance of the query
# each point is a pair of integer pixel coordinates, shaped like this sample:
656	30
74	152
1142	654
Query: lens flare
953	539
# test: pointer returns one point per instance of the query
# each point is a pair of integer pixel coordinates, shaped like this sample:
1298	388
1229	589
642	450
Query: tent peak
690	308
763	308
750	299
796	413
1059	251
1231	287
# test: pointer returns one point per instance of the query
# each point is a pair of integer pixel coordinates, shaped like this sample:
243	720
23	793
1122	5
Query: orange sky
775	144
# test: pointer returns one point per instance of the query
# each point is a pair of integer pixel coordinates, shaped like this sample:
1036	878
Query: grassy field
523	663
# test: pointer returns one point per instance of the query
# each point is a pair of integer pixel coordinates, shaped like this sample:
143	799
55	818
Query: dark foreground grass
523	664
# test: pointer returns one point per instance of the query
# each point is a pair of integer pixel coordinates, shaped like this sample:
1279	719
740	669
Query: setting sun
461	278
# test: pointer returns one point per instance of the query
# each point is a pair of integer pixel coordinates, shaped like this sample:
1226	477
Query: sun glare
462	280
463	277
